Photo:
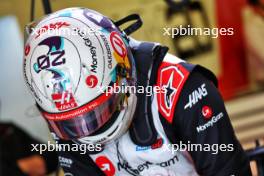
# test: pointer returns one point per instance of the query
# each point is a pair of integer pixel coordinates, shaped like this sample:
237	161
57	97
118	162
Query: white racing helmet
73	58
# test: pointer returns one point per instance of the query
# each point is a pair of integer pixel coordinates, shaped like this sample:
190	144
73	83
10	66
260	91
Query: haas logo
171	78
64	100
118	44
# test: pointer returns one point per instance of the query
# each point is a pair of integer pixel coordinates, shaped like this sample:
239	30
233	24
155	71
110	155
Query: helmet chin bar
119	127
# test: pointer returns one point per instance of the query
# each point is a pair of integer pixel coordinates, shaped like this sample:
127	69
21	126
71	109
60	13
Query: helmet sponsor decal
91	81
105	165
171	78
27	50
92	49
54	57
79	111
51	26
51	75
120	51
109	53
58	83
118	44
64	101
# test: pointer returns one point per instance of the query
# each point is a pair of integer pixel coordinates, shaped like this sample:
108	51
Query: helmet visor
86	119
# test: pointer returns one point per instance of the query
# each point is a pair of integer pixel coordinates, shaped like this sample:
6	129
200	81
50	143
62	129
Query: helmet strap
133	27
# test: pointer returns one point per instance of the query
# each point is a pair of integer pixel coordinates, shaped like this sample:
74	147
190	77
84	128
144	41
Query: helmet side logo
118	44
91	81
120	51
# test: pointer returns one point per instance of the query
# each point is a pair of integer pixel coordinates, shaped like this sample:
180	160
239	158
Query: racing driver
79	64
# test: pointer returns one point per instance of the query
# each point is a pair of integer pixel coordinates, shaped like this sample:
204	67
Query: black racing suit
199	118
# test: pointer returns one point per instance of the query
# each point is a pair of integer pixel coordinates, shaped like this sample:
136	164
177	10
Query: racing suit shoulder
200	121
172	74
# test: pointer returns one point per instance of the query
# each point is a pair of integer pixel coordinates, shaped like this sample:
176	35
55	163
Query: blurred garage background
237	60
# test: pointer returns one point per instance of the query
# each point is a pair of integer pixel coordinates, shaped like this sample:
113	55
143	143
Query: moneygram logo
210	123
